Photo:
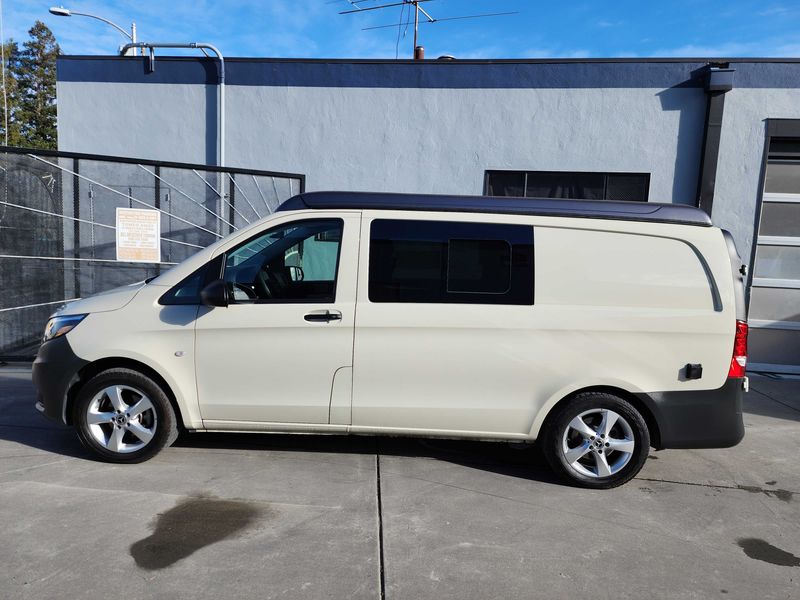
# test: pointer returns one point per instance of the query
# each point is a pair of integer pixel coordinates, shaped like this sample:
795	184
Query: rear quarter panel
622	304
633	303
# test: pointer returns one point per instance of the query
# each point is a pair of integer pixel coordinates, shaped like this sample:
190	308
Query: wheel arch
98	366
638	401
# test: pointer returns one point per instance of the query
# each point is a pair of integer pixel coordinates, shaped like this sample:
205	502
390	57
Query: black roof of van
552	207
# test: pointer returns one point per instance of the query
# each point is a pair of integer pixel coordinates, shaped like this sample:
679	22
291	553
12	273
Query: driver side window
295	262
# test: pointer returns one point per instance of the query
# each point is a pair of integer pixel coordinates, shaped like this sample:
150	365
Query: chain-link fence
58	217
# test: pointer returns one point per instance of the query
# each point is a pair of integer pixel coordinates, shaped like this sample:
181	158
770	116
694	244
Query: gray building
722	134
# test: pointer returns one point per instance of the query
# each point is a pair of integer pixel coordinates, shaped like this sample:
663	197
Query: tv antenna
359	6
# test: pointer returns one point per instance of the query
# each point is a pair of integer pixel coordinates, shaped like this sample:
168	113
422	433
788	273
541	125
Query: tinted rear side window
450	262
478	266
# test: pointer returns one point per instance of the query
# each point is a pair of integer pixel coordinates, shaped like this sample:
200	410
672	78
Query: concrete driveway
273	516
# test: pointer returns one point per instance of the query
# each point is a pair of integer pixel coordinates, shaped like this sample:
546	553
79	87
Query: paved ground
224	516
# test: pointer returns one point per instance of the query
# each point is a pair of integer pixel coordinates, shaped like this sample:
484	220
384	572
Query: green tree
10	102
36	80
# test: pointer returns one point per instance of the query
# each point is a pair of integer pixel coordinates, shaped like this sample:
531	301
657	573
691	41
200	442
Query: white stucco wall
437	140
405	140
162	122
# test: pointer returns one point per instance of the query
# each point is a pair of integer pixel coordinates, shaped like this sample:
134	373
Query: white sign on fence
138	235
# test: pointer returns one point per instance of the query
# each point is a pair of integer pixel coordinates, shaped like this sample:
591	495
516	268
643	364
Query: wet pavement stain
784	495
190	525
762	550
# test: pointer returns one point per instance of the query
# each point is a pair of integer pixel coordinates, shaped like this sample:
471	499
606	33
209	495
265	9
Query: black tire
159	421
593	403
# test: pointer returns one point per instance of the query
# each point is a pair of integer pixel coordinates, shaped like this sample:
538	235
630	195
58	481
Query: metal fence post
76	225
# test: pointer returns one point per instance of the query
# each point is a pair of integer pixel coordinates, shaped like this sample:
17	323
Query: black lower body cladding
55	368
685	419
699	418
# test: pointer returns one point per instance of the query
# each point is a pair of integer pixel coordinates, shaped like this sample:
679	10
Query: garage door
775	292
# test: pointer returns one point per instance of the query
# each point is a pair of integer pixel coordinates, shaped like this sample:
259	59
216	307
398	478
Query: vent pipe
419	53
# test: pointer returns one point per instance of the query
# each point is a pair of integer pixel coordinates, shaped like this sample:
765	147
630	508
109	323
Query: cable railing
58	225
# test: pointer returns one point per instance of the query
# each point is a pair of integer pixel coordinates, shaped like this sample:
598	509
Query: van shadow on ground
512	459
22	424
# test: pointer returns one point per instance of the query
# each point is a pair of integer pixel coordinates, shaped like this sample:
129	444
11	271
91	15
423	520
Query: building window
566	184
450	262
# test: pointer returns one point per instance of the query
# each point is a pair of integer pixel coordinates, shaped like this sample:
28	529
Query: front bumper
699	419
54	371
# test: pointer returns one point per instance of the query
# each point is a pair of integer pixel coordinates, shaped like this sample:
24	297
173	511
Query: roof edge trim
679	214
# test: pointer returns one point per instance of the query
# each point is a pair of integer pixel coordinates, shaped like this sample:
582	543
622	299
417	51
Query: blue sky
313	28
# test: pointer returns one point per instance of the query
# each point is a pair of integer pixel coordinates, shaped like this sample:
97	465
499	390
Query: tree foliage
11	56
31	90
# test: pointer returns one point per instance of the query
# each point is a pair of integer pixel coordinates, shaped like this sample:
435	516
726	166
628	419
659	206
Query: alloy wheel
598	443
121	419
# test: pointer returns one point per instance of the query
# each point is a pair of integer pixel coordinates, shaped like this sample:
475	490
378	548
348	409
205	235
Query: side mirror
215	293
296	273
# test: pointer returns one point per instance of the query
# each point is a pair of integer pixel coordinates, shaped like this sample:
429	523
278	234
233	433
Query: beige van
599	329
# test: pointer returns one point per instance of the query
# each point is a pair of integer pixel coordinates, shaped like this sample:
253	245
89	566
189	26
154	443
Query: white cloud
765	48
576	54
555	53
787	51
692	50
773	11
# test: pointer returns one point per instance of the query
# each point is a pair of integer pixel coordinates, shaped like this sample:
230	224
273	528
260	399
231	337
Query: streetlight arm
202	46
106	21
198	45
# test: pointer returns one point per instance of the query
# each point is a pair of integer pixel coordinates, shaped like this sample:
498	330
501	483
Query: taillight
739	360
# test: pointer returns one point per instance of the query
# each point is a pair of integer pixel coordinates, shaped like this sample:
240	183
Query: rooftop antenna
359	6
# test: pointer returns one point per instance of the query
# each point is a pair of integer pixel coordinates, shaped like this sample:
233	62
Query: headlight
58	326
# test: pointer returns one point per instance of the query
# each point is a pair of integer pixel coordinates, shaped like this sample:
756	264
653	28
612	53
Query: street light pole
60	11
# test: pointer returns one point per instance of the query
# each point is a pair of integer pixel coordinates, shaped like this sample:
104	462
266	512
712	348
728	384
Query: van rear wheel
123	416
596	440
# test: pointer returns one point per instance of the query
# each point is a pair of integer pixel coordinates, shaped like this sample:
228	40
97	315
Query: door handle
323	316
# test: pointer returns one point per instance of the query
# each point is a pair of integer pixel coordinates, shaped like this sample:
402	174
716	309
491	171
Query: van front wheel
123	416
596	440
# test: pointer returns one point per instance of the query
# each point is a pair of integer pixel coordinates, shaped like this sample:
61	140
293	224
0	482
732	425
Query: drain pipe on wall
151	46
718	82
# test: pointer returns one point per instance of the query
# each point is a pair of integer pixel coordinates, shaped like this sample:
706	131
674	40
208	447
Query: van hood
107	301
